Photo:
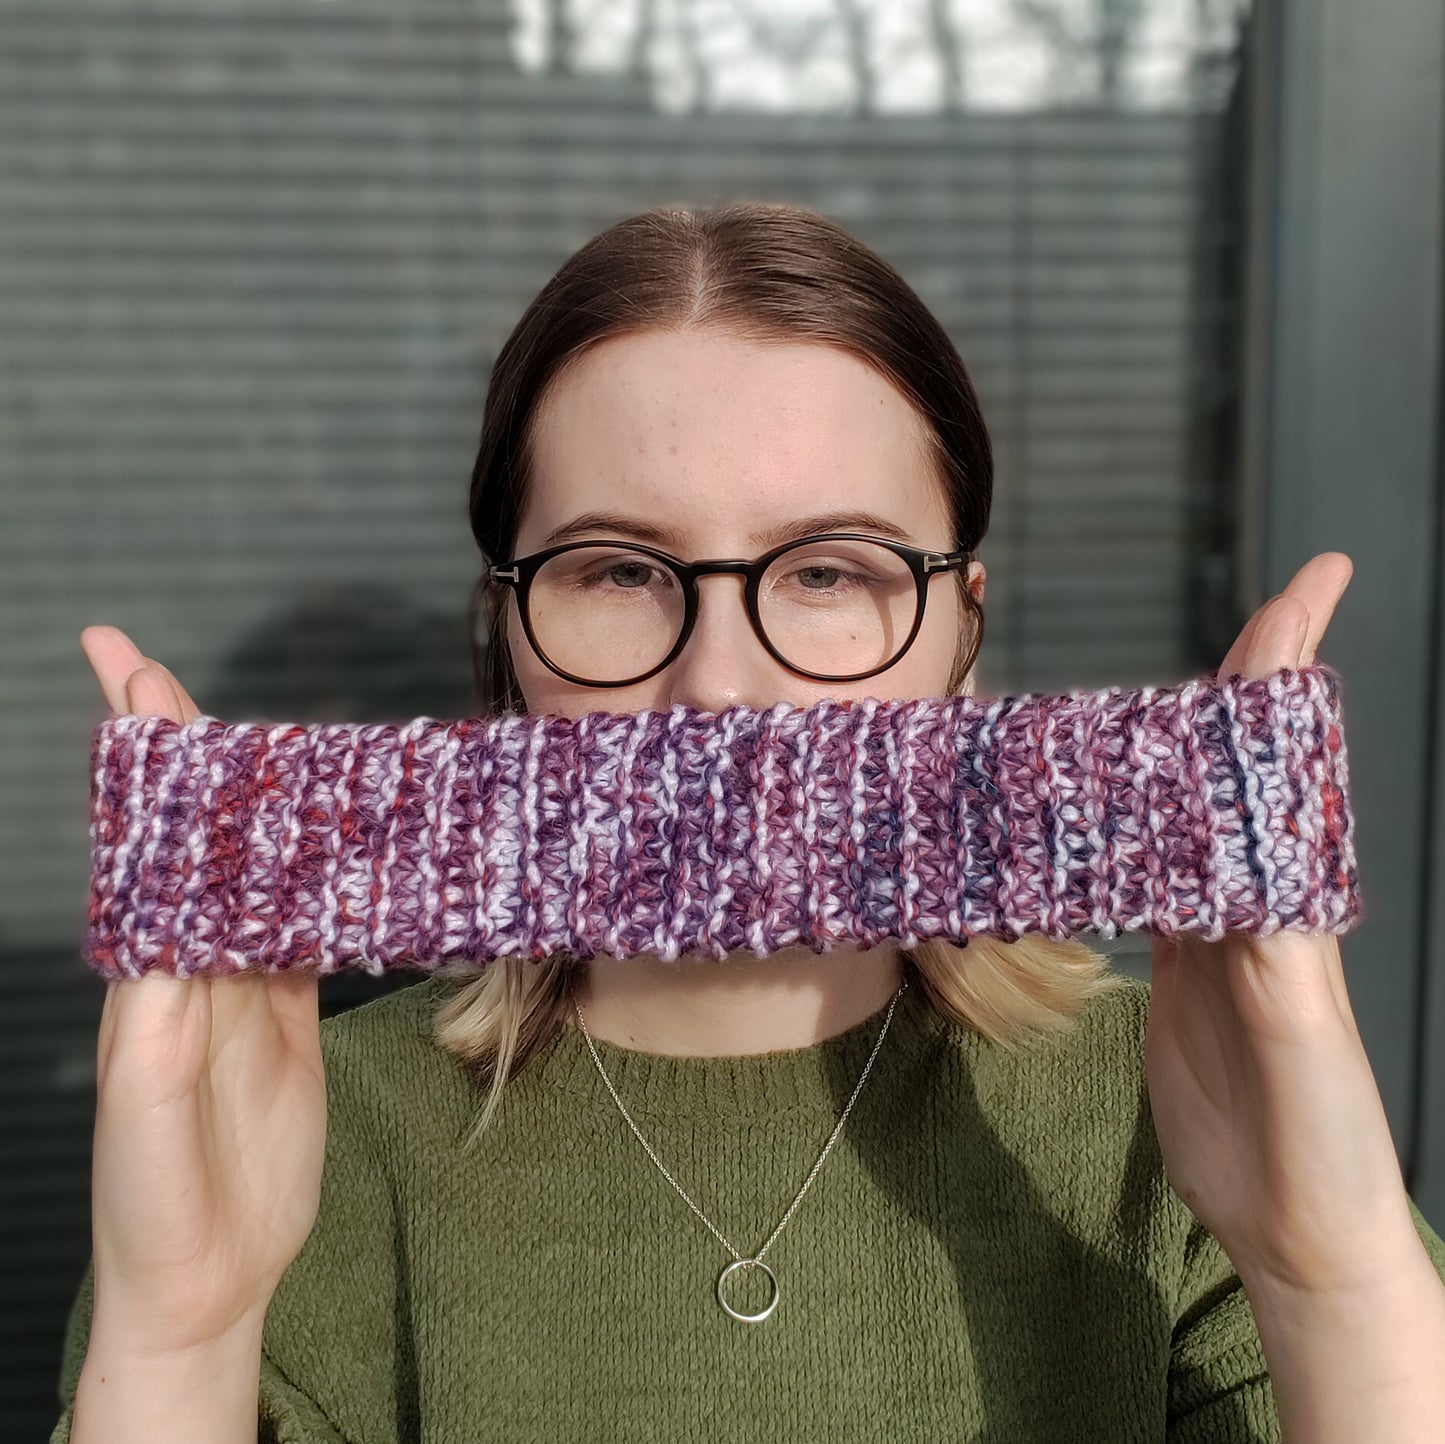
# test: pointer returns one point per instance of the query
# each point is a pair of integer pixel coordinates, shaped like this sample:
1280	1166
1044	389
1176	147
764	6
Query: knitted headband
1202	808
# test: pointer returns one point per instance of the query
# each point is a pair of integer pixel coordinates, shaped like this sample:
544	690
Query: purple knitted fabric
1202	808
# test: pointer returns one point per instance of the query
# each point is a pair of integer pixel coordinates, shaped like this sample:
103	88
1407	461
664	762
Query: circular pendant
747	1263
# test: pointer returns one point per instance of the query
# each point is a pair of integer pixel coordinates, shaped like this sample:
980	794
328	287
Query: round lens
605	613
838	607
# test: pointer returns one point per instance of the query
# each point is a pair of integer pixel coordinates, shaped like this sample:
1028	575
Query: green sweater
990	1252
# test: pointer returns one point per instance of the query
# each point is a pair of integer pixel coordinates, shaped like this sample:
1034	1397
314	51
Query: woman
999	1248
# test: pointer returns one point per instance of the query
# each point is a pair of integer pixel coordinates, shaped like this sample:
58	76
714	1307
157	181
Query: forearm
126	1395
1352	1364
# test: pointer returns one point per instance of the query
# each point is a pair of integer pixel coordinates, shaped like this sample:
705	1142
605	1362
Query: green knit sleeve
72	1354
338	1336
333	1365
1434	1245
1219	1389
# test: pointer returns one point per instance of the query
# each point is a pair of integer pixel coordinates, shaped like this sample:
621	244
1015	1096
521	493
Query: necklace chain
738	1260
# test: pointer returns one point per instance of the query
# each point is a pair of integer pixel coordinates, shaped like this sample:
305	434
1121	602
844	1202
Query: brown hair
762	271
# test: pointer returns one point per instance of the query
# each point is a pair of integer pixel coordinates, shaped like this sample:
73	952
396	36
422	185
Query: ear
977	575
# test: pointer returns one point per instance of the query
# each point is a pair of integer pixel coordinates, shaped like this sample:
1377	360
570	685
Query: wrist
1347	1359
129	1389
128	1333
1337	1261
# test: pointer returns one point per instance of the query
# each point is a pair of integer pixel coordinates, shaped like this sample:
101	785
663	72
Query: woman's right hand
210	1125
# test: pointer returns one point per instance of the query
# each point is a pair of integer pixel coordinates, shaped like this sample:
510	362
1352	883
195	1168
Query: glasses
836	607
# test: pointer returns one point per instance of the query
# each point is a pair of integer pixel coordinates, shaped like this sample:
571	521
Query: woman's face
707	443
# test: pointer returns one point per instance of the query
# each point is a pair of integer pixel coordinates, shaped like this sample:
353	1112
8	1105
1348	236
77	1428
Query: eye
626	575
818	576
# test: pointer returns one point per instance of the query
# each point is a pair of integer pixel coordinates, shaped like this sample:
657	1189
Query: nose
724	663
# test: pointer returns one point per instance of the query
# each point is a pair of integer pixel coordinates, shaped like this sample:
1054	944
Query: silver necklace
756	1261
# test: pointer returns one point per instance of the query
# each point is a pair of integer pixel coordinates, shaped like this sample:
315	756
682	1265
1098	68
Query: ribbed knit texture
990	1253
1203	808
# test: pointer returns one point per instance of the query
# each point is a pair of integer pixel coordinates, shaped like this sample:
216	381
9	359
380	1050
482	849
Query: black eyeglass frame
922	562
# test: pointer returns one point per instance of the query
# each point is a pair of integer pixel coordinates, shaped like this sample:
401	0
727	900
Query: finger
106	1034
113	657
184	708
1272	636
1320	584
295	1000
116	660
1279	639
159	1020
151	693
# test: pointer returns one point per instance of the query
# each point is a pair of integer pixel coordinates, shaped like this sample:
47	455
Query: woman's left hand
1268	1116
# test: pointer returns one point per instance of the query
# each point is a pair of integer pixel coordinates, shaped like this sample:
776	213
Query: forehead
717	437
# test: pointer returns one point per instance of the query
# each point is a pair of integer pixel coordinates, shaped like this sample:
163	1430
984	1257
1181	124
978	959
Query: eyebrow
591	522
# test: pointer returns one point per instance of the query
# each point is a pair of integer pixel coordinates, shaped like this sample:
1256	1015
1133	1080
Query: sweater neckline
816	1079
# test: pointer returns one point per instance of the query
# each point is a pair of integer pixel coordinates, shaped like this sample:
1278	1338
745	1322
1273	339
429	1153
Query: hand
1267	1113
210	1116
